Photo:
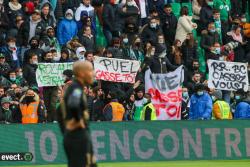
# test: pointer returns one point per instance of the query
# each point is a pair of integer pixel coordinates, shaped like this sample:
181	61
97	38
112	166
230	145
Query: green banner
135	141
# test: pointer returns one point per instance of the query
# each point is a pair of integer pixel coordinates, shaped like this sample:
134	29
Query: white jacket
90	10
184	26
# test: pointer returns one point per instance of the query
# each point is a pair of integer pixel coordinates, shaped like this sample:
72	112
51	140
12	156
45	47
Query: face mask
20	75
130	3
185	94
217	51
237	97
213	98
200	93
12	78
212	31
138	44
69	17
34	45
35	62
81	57
244	20
57	58
125	40
210	3
153	25
161	41
12	45
49	60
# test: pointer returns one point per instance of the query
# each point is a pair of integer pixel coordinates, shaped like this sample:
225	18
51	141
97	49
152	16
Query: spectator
189	50
197	6
206	14
159	60
216	53
98	105
175	55
29	70
6	115
31	108
221	109
86	9
242	110
135	51
48	19
195	68
224	7
114	111
4	67
217	23
156	5
209	38
235	36
14	80
80	52
185	104
28	29
89	56
196	79
4	23
129	105
50	42
2	92
200	104
67	28
72	46
149	33
169	24
12	53
139	102
148	111
14	8
87	39
115	48
34	48
185	25
65	56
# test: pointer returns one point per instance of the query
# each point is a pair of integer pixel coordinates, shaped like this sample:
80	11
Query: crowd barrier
134	141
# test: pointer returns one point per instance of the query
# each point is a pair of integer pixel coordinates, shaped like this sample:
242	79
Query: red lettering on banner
115	77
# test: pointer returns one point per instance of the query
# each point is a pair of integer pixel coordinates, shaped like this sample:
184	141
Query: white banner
116	70
227	75
166	93
51	74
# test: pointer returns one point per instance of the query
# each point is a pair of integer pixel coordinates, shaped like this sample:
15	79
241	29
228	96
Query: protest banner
166	93
116	70
227	75
50	74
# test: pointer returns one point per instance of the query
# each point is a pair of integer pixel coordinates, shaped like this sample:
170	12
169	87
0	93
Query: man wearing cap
200	104
221	109
5	112
67	28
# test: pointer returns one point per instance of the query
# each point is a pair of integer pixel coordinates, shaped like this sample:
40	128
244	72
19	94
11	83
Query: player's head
84	72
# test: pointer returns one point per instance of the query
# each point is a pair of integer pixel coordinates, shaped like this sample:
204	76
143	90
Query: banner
116	70
122	142
50	74
166	93
227	75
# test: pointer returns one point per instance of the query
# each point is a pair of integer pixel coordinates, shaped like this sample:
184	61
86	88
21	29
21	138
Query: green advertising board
135	141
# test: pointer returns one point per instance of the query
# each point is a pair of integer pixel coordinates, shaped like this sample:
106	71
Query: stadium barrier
134	141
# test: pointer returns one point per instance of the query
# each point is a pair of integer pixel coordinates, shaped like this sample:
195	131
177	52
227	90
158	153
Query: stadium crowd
162	35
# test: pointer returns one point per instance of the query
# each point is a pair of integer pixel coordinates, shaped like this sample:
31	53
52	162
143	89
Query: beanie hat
5	100
30	6
69	11
217	94
198	87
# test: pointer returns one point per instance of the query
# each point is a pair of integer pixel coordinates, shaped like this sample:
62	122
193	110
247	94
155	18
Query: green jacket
224	6
148	112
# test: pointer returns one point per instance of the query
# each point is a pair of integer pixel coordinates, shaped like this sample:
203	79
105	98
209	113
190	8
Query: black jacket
29	74
208	39
108	16
188	54
88	43
4	69
169	25
39	52
150	34
206	16
97	107
159	65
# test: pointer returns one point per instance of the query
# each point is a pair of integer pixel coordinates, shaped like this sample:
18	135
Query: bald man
74	117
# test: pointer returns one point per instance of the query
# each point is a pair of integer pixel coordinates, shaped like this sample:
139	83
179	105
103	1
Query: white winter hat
69	11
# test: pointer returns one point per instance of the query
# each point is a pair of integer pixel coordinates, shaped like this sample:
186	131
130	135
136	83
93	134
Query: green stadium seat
201	58
176	7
